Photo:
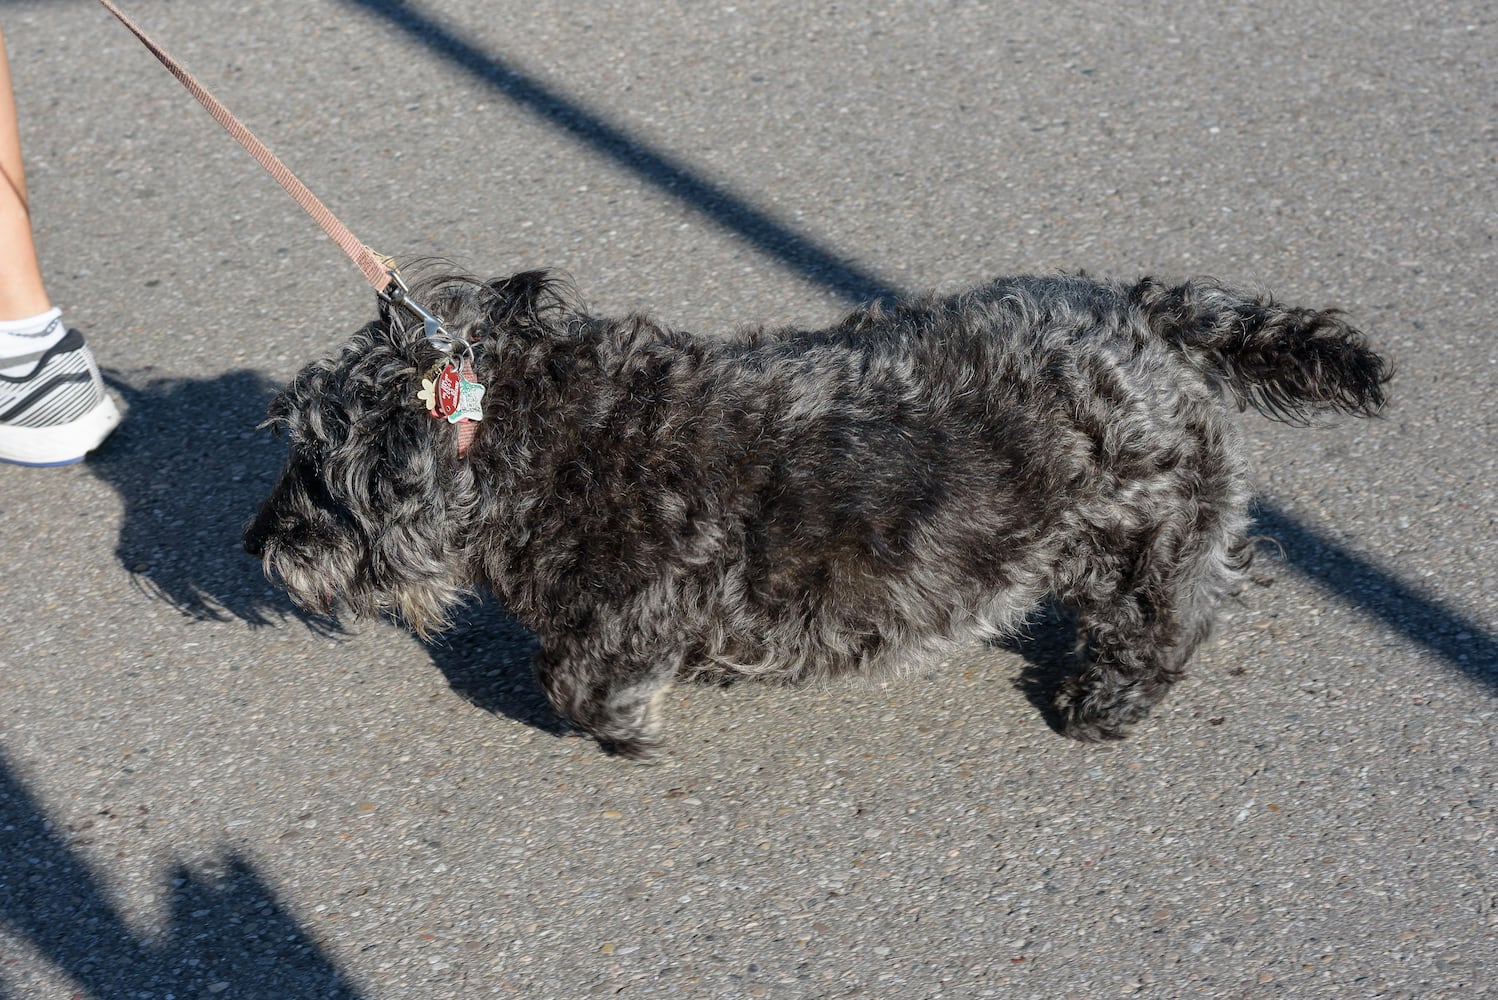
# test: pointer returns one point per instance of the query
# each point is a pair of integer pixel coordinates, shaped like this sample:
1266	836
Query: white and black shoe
56	410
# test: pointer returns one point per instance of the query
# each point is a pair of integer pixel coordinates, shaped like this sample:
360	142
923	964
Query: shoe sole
60	444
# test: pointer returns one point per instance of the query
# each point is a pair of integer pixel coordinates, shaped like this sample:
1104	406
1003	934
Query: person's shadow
225	928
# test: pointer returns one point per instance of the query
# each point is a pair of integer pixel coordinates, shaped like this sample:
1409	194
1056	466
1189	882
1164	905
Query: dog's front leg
613	696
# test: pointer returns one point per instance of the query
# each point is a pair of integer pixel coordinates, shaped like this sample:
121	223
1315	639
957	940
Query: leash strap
378	271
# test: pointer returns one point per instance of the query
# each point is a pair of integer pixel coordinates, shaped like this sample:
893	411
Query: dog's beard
336	581
312	585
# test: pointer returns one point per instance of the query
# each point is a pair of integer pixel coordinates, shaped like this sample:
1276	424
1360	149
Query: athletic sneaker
58	411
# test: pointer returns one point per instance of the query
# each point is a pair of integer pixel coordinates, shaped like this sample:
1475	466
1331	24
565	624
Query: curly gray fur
799	504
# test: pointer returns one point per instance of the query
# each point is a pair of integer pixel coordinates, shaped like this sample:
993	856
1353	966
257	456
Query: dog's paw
625	719
639	749
632	729
1091	731
1084	719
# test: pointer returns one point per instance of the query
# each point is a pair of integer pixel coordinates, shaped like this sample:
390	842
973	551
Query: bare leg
21	291
53	407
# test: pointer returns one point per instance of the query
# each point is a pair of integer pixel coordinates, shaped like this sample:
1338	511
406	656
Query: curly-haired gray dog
798	504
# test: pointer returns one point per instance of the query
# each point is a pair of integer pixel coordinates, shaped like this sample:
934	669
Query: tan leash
376	270
379	271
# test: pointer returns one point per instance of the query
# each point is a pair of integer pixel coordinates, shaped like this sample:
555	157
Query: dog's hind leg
1140	633
614	700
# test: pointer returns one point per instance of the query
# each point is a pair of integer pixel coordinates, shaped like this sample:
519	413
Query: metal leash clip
396	293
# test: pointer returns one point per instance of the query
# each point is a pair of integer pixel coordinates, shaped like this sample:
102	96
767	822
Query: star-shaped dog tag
470	402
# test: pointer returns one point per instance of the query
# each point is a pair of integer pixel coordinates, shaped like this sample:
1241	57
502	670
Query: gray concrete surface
202	796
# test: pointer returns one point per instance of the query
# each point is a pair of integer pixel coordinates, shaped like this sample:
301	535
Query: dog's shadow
1048	645
486	657
190	468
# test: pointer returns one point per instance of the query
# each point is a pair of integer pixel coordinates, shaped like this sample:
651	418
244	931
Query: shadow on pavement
1048	646
191	468
486	658
1400	605
797	251
225	934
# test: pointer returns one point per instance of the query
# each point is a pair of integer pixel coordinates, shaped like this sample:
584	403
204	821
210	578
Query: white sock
22	341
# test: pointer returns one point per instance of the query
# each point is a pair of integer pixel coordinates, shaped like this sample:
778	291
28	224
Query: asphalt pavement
205	794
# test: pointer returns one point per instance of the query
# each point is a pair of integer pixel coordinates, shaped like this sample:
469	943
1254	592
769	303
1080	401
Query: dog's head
361	511
374	504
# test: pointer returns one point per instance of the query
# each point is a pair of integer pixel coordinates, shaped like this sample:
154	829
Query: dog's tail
1287	363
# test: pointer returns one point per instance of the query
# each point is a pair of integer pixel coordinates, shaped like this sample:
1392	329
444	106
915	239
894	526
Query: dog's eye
308	464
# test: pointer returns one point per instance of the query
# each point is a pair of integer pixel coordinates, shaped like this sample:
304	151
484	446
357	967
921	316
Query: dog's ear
302	409
526	302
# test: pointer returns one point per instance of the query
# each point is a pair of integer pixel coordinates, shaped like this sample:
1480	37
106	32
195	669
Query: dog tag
470	401
441	391
450	391
447	390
